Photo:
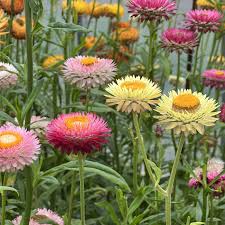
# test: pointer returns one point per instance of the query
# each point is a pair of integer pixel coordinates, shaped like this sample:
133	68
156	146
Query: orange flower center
75	121
219	73
133	85
88	61
9	139
186	102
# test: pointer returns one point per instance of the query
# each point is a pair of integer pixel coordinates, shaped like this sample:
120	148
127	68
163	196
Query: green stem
168	210
204	205
146	161
70	209
4	200
178	70
81	159
211	209
29	192
29	48
196	57
54	95
135	162
172	179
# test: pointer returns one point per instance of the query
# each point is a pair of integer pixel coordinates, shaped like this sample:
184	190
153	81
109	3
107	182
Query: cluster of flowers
214	177
210	4
95	9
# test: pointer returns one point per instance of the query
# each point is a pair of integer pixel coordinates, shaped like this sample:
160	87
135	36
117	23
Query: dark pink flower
203	20
214	78
78	132
222	113
179	40
148	10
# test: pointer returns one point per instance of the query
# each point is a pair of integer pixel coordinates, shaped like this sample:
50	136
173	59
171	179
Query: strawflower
18	6
78	132
214	78
151	10
8	75
18	148
179	40
87	72
186	112
132	94
203	20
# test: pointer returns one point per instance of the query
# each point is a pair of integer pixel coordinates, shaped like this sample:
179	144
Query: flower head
18	6
8	75
97	43
3	24
214	168
18	148
52	60
179	40
132	94
126	35
148	10
186	112
78	132
19	28
79	6
40	216
203	20
222	113
208	4
111	10
88	72
214	78
96	9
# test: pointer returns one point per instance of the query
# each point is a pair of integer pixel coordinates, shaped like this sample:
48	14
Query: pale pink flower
8	75
149	10
179	40
203	20
214	78
88	72
18	148
18	219
78	132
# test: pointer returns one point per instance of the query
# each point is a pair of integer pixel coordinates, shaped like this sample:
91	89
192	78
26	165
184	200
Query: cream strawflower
186	112
132	94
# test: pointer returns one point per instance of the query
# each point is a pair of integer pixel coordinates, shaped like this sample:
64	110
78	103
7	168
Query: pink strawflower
214	169
87	72
150	10
222	113
18	148
203	20
214	78
179	40
40	216
8	75
78	132
48	214
18	220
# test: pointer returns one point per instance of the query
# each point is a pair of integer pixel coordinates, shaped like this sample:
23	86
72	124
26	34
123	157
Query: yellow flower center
88	61
79	121
219	73
133	85
186	102
9	139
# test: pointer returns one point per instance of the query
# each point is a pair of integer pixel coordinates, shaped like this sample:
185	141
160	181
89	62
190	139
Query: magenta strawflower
203	20
18	148
214	169
214	78
41	216
222	113
179	40
78	132
150	10
87	72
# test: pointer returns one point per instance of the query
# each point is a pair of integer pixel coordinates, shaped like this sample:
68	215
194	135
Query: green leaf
122	203
31	99
157	170
197	223
6	101
5	117
110	210
66	27
5	188
91	167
